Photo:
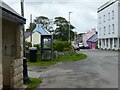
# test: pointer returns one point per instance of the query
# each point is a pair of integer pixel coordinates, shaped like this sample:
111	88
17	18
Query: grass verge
72	57
41	63
34	83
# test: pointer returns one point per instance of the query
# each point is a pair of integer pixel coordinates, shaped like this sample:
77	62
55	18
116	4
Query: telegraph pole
25	73
31	28
69	28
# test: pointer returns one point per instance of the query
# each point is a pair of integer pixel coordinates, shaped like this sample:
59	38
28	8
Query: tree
45	22
62	29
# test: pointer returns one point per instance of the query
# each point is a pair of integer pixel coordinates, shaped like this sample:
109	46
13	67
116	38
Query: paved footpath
99	70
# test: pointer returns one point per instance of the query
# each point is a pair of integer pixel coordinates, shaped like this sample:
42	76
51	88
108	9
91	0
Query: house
11	47
87	35
93	41
109	25
80	37
36	34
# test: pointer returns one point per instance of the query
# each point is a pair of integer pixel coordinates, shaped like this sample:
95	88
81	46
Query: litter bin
33	54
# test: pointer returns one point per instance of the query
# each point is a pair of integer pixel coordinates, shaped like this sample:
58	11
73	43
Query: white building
36	34
109	25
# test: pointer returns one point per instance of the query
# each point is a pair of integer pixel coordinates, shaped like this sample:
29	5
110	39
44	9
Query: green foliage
37	46
73	57
34	83
28	44
42	63
62	30
62	46
44	21
69	57
31	27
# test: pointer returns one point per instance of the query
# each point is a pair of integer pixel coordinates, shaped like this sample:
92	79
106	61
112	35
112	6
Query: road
99	70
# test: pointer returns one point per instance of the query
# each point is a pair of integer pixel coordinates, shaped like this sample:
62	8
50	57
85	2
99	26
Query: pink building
87	35
93	41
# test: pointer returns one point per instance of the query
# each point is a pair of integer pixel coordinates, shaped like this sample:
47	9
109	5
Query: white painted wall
106	22
28	39
119	20
36	38
109	25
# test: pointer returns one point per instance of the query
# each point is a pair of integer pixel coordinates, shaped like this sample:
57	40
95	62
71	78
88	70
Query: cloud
83	16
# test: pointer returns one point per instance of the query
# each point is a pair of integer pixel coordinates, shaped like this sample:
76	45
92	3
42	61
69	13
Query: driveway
99	70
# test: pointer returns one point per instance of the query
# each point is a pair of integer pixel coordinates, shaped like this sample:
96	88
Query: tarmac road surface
99	70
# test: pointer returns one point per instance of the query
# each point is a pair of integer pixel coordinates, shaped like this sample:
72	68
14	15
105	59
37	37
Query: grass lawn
34	83
73	57
41	63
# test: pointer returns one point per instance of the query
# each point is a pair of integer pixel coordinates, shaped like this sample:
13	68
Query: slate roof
40	30
93	38
27	34
7	12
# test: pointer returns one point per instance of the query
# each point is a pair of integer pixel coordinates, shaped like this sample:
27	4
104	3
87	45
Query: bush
28	44
37	46
62	46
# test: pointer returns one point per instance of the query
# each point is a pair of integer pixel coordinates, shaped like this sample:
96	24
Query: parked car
86	47
81	46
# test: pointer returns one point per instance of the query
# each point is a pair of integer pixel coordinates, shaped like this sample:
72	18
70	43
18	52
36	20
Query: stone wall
17	73
0	81
17	64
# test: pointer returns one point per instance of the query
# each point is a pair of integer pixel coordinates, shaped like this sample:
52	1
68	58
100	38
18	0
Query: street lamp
25	71
69	27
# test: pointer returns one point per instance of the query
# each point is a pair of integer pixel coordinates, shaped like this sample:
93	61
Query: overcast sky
83	16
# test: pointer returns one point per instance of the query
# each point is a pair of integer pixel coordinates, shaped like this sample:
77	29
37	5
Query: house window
109	16
104	30
113	28
100	31
99	20
109	29
104	18
112	14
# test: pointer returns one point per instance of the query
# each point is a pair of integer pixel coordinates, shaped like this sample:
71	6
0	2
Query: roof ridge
8	8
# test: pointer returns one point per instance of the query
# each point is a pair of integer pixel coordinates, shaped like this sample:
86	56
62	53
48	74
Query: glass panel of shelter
46	47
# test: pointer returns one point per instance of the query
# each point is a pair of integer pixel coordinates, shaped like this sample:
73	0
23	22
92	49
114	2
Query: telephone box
46	47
